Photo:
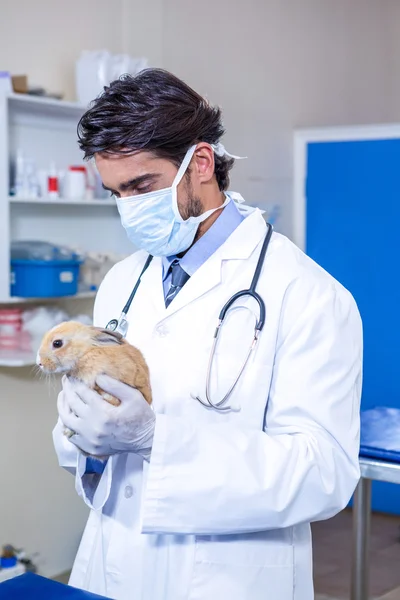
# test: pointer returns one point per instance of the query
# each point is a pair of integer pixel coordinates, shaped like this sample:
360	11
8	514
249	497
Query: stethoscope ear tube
252	290
132	295
260	261
241	294
121	325
221	405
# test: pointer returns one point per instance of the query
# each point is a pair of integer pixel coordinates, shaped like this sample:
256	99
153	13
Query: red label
53	184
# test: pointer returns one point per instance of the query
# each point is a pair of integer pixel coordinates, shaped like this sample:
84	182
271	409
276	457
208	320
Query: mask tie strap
220	150
184	165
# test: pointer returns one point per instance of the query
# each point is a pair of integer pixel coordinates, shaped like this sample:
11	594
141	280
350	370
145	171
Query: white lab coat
223	509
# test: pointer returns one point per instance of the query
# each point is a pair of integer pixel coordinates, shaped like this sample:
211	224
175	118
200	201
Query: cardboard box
20	84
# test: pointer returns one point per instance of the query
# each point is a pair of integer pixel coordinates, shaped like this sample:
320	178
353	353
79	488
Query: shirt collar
214	237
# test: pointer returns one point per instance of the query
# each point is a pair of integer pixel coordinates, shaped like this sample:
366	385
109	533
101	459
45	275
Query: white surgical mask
152	221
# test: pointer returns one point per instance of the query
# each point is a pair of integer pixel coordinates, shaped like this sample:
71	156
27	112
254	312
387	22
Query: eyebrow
131	184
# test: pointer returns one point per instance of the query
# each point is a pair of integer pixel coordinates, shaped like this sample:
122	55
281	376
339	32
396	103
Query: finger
71	421
86	394
85	446
80	443
73	401
77	405
116	388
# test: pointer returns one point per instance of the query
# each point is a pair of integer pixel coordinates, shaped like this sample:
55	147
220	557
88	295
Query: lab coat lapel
205	279
152	287
238	246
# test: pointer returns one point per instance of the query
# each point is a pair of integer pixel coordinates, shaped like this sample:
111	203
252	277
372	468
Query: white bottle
32	180
75	183
20	176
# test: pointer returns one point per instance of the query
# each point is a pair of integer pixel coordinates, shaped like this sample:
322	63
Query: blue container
8	562
44	278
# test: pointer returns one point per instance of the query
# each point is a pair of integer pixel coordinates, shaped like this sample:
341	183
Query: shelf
17	359
16	300
63	201
46	106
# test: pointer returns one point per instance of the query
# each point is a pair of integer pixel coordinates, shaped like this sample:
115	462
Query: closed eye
145	189
139	185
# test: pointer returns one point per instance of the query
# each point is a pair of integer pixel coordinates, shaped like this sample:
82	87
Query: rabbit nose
38	361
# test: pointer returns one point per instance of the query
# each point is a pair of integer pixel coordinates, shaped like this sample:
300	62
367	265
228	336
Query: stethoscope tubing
251	292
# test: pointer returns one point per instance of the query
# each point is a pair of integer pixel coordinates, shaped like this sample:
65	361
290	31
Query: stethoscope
120	326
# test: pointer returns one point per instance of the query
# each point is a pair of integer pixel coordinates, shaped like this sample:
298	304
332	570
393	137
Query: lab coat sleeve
65	451
94	488
223	479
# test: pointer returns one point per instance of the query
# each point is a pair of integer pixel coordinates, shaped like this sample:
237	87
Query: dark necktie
178	279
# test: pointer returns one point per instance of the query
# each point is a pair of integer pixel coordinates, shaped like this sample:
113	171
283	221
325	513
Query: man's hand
101	429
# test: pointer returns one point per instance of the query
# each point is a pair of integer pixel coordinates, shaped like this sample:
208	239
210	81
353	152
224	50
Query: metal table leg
361	533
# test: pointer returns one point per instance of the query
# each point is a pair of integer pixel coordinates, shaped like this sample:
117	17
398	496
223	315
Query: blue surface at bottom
34	587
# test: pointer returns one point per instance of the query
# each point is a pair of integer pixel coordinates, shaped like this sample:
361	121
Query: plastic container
43	270
10	328
44	278
75	183
7	562
38	250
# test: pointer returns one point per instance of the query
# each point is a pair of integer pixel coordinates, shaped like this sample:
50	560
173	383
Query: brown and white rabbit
84	352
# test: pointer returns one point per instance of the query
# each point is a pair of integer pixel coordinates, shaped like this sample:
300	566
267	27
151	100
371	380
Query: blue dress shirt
201	251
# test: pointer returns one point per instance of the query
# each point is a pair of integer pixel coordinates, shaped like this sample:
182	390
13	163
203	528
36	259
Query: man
193	502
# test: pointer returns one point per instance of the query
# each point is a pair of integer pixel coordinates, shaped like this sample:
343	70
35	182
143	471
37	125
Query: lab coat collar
239	246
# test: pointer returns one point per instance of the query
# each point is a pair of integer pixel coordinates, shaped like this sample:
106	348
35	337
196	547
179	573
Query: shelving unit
45	129
17	360
64	202
78	296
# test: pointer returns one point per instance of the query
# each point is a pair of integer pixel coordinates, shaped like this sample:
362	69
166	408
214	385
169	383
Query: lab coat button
128	491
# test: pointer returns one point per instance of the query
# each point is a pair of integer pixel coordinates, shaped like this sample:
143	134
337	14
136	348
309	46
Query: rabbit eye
57	344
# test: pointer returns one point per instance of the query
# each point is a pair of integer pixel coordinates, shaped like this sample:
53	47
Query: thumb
114	387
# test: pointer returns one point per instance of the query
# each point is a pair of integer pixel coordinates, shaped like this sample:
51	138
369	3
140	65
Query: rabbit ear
105	337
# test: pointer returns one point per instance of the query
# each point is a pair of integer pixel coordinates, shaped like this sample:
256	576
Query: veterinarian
196	503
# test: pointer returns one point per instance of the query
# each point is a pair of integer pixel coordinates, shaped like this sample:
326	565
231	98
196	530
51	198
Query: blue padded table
35	587
379	461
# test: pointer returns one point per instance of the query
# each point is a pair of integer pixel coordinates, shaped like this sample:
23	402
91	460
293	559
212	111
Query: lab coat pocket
240	567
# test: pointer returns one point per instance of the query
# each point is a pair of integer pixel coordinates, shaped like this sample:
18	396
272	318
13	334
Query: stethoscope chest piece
112	325
119	326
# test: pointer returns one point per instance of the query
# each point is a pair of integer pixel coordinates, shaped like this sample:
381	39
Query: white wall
143	29
279	64
393	97
43	38
272	65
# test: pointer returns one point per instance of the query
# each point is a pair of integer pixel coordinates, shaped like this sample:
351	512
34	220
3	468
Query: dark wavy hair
153	111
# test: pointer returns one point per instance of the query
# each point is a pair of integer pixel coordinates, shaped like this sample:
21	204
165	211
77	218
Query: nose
38	361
